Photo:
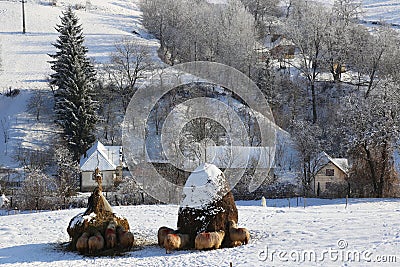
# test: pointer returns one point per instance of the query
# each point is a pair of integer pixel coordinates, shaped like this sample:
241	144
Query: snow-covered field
367	230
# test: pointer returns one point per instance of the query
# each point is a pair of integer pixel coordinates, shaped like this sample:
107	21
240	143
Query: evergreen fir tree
74	79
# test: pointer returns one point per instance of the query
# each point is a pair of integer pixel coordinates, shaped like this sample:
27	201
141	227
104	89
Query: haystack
96	217
207	205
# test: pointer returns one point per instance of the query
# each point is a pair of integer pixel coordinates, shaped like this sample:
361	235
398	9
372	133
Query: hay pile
96	218
208	204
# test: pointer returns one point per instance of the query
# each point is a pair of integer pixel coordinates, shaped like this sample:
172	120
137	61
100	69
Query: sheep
96	243
125	238
162	233
209	240
175	242
238	234
110	235
82	243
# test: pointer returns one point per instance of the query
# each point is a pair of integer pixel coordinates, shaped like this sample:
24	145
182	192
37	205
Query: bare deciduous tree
37	103
127	65
374	56
307	142
306	29
35	190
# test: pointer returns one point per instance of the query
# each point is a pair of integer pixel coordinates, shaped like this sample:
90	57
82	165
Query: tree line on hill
353	113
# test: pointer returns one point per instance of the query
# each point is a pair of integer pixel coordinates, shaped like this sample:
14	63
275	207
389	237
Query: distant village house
108	159
331	178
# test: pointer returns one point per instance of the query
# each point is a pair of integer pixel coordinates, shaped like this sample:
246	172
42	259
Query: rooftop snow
105	158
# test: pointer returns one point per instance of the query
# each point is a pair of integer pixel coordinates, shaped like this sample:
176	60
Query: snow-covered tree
67	173
371	129
306	28
74	79
373	56
339	37
35	190
262	8
198	30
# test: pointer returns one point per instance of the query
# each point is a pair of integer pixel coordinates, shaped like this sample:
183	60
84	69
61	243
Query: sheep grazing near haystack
110	235
209	240
236	234
175	242
95	243
162	233
125	238
82	243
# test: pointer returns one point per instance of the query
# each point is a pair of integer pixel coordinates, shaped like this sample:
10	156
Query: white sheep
208	240
236	234
175	242
95	243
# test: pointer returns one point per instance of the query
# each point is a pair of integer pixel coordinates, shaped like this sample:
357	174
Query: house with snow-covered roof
108	159
332	175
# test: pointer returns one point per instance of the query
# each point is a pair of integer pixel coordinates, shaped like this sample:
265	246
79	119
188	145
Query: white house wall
88	184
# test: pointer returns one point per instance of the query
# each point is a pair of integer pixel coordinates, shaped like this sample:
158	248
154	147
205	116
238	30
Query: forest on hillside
330	79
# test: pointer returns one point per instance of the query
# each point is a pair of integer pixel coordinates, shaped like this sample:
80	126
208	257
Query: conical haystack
96	217
207	205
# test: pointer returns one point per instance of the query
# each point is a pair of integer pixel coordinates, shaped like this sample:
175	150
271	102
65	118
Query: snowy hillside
24	57
382	10
368	230
377	10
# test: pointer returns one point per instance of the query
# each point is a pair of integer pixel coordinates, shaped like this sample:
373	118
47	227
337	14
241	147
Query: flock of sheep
115	236
172	240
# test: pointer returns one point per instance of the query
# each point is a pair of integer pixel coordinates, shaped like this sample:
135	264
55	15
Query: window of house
329	172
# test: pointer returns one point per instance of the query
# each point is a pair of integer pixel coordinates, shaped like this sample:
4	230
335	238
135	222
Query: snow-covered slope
376	10
382	10
24	57
368	228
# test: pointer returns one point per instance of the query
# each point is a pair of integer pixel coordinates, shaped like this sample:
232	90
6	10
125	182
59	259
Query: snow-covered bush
35	190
